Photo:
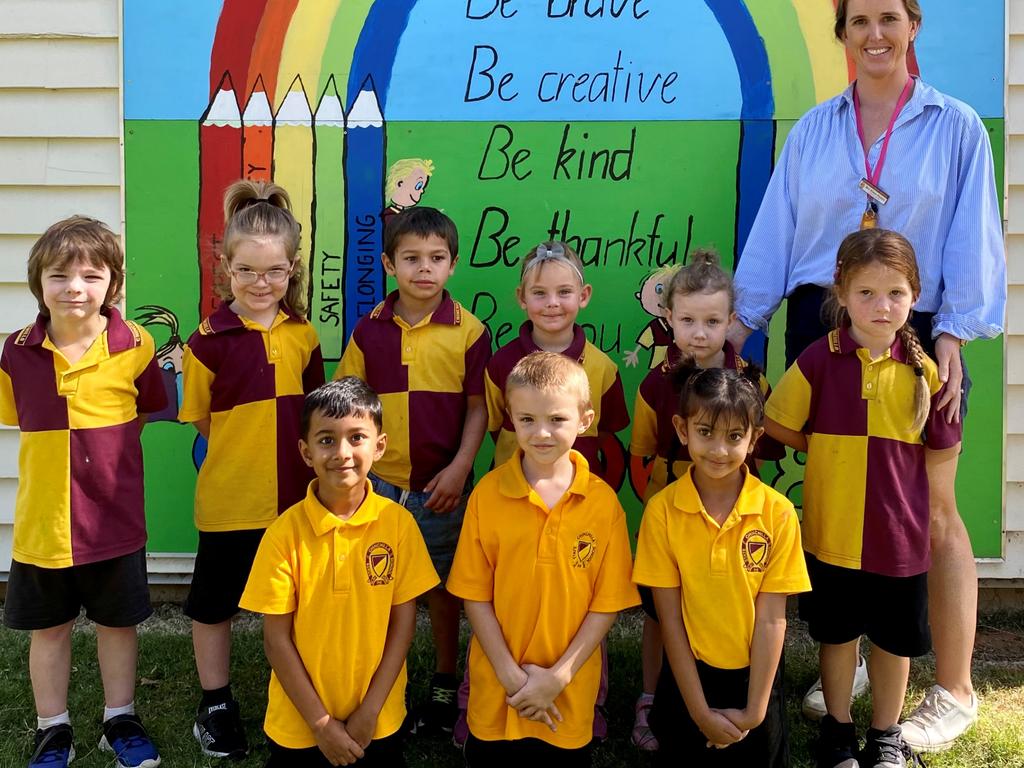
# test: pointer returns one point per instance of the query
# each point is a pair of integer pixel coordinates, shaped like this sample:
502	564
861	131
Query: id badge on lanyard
876	196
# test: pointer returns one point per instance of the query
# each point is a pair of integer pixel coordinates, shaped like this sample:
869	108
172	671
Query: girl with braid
863	402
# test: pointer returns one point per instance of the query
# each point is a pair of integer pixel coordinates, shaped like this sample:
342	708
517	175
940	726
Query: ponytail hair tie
918	370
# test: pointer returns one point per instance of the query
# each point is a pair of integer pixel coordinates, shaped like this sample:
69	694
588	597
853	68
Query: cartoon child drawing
656	335
168	356
407	181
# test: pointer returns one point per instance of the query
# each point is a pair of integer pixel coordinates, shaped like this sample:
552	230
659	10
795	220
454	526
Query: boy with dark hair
425	355
78	383
337	577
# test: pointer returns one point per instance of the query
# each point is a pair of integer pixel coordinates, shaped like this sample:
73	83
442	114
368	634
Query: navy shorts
113	592
440	532
223	562
843	604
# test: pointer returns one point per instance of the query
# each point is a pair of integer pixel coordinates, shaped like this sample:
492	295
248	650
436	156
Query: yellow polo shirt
721	569
340	579
543	570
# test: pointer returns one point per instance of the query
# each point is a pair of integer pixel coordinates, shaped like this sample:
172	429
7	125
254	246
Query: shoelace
442	695
932	709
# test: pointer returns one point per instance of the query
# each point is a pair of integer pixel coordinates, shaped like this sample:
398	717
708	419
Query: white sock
127	709
49	722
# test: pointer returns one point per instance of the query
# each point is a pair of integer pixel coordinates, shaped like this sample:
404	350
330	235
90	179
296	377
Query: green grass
167	695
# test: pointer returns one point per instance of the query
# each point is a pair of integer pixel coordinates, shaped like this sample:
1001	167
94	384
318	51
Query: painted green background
679	170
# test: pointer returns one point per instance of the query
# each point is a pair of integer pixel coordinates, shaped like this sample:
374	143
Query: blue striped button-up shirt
939	176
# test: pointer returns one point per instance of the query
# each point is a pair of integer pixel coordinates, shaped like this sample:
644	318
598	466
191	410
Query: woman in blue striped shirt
892	151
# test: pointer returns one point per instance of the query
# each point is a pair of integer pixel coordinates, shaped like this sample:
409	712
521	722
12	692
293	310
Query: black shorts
113	592
680	741
804	325
844	603
519	753
223	562
382	753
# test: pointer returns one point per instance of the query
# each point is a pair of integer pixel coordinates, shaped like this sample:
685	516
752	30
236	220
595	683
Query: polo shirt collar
574	350
446	313
842	343
324	521
224	319
513	485
120	336
686	498
923	96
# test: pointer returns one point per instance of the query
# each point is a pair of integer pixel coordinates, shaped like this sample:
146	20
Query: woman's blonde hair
892	250
912	7
255	209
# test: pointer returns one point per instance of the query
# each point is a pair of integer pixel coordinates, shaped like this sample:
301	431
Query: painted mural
635	130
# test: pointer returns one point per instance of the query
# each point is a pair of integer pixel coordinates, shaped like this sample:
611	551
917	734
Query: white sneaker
938	720
814	700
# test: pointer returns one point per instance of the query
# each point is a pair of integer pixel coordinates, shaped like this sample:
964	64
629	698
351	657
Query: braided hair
892	250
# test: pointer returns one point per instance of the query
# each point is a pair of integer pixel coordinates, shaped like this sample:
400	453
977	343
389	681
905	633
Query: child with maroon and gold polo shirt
78	383
425	355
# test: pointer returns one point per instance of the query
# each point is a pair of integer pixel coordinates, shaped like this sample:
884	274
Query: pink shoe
643	737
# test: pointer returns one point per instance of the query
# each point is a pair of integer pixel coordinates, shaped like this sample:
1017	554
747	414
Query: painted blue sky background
167	53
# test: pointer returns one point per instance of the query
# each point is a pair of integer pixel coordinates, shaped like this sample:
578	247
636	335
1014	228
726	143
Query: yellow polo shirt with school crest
340	579
721	569
544	571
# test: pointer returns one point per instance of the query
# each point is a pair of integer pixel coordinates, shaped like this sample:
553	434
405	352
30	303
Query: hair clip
839	269
553	252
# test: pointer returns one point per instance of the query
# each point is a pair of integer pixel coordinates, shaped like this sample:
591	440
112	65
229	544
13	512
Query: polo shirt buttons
869	385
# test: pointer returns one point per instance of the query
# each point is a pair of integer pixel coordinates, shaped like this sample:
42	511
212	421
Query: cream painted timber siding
1012	566
60	152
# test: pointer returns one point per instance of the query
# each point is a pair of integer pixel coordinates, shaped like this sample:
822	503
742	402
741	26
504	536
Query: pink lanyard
874	175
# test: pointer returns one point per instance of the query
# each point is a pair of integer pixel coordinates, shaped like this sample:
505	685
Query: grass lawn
167	695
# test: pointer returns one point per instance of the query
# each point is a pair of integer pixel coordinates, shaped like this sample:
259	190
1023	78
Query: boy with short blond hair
337	577
425	355
78	383
543	566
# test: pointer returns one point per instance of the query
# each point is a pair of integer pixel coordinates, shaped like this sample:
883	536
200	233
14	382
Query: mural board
634	129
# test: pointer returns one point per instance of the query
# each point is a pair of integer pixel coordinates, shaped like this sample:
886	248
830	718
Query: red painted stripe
220	163
232	44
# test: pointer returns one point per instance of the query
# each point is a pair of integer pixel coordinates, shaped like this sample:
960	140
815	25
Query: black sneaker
53	747
218	729
438	715
887	749
837	744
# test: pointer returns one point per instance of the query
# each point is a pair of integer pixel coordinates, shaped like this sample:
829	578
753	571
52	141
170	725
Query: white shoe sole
202	747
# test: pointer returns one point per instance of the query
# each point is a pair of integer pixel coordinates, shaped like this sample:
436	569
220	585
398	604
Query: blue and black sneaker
127	739
53	747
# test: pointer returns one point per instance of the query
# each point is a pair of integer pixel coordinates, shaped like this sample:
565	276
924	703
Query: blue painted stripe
751	58
375	51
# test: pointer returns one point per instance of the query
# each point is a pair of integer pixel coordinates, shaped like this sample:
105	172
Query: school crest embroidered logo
584	549
380	564
756	548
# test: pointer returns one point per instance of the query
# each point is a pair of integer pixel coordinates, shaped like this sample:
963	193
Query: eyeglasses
274	276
